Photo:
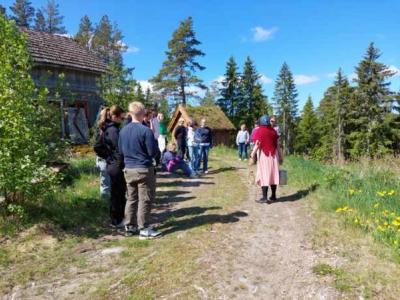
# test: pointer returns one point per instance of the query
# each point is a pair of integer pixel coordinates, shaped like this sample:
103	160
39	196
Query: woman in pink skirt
267	150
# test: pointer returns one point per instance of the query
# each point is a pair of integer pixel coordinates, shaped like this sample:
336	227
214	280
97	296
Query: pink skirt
267	169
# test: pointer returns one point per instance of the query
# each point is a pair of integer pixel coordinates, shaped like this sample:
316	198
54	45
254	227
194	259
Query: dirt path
267	255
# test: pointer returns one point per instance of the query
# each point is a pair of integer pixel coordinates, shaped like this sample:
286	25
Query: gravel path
267	255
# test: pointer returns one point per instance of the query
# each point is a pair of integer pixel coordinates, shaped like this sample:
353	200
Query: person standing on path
269	158
109	123
180	135
193	146
138	148
242	141
205	136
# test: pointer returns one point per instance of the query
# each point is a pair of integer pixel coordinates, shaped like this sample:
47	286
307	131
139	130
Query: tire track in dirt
267	255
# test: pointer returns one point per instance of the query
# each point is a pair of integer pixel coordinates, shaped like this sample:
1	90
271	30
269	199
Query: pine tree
23	12
148	96
230	90
286	106
177	71
53	18
252	103
85	32
307	136
372	103
40	21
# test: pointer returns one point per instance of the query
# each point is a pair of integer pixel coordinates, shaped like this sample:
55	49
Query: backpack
100	147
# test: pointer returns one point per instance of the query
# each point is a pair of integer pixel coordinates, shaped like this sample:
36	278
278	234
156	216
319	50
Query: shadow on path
196	221
298	195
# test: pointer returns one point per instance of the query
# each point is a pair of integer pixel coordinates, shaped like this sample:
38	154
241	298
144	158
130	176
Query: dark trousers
182	148
118	191
242	149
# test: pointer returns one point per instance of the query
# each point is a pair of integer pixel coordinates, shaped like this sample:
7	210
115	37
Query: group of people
194	143
129	147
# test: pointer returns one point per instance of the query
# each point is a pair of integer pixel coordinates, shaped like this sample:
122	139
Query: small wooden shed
221	126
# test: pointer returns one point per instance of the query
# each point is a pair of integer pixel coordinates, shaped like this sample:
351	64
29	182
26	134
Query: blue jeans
242	147
182	166
194	153
204	156
105	180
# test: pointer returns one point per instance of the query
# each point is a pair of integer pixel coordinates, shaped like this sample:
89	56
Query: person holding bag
269	159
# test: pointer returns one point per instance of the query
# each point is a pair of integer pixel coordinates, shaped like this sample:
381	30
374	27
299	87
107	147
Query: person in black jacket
180	135
109	124
204	135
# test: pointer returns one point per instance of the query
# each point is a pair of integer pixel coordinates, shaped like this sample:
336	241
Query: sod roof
215	117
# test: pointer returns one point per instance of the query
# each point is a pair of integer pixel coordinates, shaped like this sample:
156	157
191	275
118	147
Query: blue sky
314	37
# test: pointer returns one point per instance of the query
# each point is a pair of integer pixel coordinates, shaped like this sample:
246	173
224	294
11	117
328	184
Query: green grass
353	192
367	262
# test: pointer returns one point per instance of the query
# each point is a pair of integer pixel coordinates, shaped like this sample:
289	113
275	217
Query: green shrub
28	128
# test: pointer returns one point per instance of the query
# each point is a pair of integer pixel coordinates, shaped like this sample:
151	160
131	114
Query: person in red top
268	157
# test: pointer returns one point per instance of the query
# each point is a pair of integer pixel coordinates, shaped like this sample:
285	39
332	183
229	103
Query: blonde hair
171	147
181	120
136	108
106	113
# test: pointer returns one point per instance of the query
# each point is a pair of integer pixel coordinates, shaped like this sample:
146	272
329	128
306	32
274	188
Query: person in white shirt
242	141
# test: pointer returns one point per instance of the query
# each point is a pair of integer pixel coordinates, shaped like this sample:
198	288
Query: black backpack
100	147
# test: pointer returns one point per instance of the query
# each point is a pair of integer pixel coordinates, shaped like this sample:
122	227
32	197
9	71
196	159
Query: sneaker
148	233
245	159
205	172
130	231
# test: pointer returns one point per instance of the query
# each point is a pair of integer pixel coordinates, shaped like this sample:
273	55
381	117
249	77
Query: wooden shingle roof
52	49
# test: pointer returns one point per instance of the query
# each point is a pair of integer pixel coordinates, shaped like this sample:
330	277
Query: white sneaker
205	172
148	233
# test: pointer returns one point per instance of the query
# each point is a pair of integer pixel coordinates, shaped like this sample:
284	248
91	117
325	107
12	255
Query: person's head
160	116
272	120
181	122
243	127
264	121
137	111
203	122
171	147
111	114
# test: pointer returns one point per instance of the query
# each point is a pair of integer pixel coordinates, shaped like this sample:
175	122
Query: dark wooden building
221	126
53	55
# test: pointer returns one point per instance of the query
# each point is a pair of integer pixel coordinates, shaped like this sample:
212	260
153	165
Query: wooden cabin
53	55
222	128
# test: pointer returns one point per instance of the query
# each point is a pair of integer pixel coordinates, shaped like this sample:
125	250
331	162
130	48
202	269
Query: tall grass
364	194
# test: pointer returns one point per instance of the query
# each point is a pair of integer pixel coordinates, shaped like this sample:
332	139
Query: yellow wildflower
382	194
396	223
351	192
356	221
391	193
339	210
385	223
376	205
380	228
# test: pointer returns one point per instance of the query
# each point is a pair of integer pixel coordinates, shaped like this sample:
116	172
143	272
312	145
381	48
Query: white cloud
301	79
395	70
132	49
195	91
265	79
145	84
261	34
